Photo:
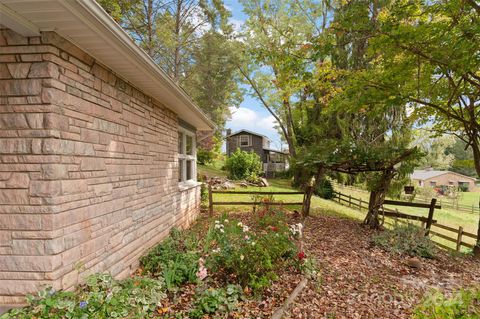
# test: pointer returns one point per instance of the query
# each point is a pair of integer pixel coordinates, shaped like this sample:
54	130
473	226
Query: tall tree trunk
377	197
309	189
476	249
176	55
476	159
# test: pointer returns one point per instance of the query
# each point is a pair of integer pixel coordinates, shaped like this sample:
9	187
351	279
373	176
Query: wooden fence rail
444	202
453	235
211	202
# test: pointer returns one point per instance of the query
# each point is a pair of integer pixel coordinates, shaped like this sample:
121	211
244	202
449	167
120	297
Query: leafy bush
286	174
465	304
205	156
216	301
425	192
204	195
243	165
325	189
406	239
101	297
175	259
248	257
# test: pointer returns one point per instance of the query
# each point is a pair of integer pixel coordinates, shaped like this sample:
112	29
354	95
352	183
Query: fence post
349	200
210	200
430	216
459	238
360	203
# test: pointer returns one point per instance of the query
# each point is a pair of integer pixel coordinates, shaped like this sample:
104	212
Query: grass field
470	198
212	170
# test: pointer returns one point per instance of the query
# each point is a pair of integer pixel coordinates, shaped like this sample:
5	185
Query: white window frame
183	158
249	140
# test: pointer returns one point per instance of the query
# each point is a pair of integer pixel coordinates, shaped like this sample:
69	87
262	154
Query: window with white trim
245	140
187	159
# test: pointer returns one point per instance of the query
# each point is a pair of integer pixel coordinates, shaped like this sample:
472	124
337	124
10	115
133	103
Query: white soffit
88	26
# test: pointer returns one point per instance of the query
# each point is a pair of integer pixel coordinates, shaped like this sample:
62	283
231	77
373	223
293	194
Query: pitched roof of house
427	174
257	134
247	131
88	26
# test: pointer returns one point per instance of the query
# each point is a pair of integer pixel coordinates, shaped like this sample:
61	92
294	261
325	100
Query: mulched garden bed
359	280
356	279
262	306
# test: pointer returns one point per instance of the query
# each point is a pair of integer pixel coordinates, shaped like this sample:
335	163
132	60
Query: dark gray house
273	160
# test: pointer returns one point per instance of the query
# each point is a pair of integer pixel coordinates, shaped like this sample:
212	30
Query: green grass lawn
470	198
276	185
212	170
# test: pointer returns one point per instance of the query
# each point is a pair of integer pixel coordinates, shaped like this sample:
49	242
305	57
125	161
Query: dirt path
361	281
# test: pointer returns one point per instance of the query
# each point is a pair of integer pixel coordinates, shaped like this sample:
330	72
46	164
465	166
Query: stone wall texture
88	168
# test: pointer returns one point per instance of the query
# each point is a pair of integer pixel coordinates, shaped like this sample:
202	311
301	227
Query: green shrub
465	304
216	301
101	297
204	195
325	189
406	239
175	259
243	165
205	156
286	174
248	257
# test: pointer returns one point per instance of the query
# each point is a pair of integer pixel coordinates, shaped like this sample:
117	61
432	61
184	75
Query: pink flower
202	273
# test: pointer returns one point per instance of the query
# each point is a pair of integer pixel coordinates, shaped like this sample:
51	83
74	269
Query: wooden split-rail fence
444	202
454	235
267	203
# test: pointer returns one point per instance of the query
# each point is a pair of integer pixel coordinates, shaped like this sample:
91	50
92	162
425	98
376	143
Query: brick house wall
452	179
88	168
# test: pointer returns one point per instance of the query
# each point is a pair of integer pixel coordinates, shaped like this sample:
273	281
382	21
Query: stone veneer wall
88	168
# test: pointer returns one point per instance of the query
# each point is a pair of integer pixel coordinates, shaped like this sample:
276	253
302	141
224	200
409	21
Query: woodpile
219	183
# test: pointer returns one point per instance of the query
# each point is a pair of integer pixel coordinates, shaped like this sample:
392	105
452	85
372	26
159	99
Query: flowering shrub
248	256
101	297
175	259
297	230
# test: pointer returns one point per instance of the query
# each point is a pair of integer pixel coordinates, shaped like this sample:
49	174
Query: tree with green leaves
298	61
191	40
277	61
427	56
435	149
463	158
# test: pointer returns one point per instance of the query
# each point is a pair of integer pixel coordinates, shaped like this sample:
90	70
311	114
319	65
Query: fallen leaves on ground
362	281
357	280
